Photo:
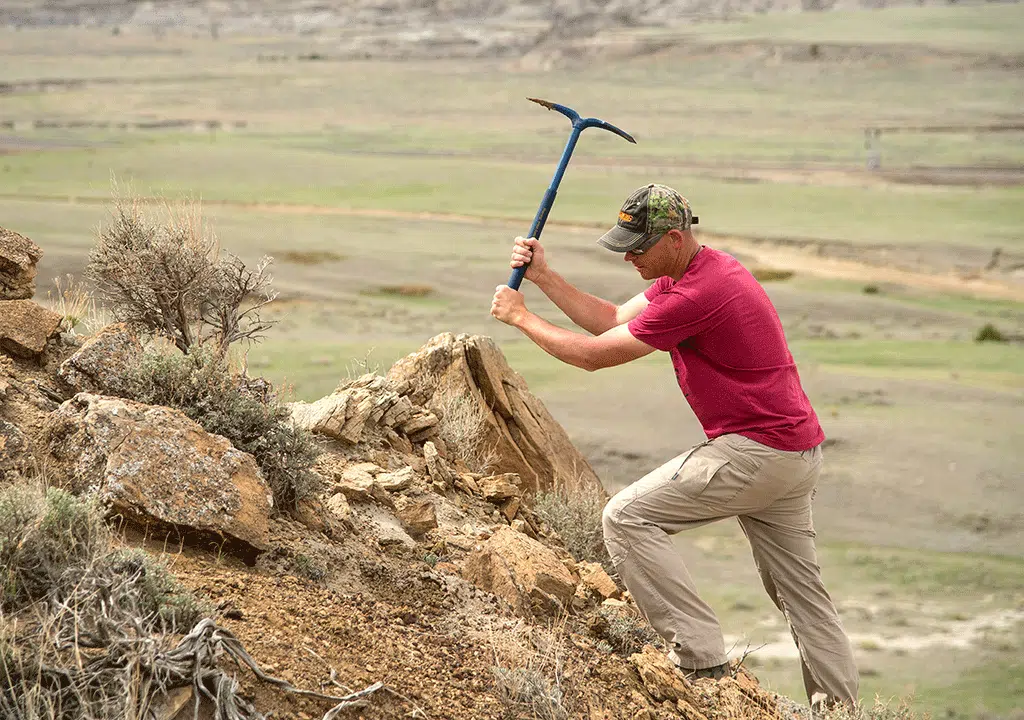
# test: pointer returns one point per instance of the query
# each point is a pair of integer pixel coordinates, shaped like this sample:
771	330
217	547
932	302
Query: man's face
649	262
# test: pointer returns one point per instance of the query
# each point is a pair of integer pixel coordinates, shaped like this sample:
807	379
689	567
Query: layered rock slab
527	440
154	465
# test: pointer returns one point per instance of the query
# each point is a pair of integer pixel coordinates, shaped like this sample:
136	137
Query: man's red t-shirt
729	353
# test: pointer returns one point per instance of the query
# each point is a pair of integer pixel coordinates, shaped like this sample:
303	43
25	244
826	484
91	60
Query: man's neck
686	259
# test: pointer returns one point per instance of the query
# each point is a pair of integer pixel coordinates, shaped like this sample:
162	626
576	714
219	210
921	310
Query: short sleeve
669	319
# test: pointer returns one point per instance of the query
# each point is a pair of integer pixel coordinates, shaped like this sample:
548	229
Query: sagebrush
168	276
83	625
202	385
575	514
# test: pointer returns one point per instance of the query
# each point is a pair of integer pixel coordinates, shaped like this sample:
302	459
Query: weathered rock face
527	440
25	327
18	258
155	465
99	365
521	571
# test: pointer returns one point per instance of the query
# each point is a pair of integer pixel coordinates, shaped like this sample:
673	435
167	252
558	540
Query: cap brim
619	239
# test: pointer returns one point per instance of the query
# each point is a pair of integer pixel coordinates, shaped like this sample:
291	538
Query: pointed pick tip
545	103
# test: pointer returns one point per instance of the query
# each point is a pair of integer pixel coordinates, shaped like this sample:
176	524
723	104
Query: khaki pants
770	492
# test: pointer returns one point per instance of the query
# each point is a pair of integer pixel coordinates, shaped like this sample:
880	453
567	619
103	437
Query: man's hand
508	305
529	250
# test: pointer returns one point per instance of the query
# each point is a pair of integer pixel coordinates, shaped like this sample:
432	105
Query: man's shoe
715	673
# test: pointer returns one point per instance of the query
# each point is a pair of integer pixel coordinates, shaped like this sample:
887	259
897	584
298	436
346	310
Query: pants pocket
697	471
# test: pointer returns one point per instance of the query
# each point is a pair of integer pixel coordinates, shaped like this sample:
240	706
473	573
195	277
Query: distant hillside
413	28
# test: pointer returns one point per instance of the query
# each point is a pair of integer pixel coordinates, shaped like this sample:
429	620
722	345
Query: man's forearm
588	311
566	345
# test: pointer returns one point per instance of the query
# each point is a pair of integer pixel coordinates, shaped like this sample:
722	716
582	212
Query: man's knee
613	525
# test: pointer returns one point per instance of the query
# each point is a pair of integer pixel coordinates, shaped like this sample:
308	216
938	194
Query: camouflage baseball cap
647	214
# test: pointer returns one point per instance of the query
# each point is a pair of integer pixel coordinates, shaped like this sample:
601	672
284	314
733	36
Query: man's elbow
592	364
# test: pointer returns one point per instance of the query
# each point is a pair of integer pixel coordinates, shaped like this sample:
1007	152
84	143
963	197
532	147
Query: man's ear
677	237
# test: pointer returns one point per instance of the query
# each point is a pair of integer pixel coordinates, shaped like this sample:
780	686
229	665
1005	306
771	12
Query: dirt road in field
807	256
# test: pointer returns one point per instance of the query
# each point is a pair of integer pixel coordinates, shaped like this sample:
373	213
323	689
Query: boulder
154	465
18	258
526	438
25	327
521	571
99	365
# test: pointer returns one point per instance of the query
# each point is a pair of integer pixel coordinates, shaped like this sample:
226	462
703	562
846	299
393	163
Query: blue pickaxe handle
578	126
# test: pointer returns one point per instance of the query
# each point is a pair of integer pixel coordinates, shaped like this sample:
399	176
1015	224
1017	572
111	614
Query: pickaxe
578	126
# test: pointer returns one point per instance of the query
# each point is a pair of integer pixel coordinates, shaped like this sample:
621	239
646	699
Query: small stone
396	481
510	507
339	507
500	487
419	517
356	484
594	577
419	423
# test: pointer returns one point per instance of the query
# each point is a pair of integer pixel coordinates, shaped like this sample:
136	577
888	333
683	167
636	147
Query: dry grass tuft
73	302
464	431
528	671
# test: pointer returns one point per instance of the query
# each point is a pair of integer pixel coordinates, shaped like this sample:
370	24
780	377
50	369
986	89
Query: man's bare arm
613	347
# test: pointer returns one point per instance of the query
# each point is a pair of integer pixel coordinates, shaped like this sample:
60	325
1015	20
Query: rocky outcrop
101	363
154	465
526	439
526	574
26	327
18	258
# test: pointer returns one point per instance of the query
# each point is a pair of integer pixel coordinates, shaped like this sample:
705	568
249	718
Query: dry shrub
575	514
624	630
82	625
463	429
167	276
767	274
528	671
202	386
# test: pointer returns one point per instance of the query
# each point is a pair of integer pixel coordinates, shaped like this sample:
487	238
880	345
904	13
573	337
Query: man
762	458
